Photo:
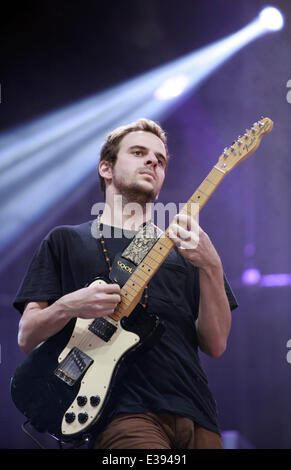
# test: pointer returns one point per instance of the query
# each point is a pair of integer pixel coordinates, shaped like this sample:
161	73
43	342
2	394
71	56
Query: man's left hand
193	243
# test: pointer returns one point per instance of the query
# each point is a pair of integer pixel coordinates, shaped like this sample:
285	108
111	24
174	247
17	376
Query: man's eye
138	153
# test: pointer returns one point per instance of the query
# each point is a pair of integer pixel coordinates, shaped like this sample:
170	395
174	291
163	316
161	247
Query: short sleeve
42	279
230	295
233	304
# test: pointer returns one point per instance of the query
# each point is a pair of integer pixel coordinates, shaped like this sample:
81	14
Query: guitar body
65	385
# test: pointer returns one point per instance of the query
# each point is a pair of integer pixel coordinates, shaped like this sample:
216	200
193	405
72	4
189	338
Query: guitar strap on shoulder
125	264
142	243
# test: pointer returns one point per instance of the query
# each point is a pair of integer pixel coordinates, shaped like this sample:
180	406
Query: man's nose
151	159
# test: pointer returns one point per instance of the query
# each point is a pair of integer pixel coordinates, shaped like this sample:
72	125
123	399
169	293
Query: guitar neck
132	290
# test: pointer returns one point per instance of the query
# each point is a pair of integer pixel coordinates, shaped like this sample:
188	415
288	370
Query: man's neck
123	214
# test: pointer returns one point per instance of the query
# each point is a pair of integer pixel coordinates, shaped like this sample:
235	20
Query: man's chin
142	193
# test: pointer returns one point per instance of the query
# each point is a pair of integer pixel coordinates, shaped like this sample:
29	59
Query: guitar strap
125	263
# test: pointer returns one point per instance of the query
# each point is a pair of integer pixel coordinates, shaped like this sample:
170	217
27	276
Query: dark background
55	53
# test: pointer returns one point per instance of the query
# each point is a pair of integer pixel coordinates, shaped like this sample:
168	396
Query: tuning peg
254	130
261	124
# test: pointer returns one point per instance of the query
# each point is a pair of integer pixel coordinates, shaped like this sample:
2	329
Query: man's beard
133	192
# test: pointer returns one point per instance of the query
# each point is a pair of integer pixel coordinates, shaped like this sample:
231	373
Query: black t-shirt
168	377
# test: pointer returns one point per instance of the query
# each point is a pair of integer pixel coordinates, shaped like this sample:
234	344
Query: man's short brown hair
110	147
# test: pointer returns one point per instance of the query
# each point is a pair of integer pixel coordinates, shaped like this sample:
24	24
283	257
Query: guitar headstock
244	146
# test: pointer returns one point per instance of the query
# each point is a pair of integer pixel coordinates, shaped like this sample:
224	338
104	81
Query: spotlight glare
251	276
172	87
276	280
271	19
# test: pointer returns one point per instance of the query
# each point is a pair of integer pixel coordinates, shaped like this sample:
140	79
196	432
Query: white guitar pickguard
96	380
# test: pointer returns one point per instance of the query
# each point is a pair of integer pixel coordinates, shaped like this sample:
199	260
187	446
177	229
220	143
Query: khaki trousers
156	431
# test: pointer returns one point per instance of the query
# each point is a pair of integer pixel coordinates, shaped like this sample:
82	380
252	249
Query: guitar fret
132	284
136	273
186	210
210	181
219	169
154	260
158	252
127	291
193	200
124	300
205	194
143	276
123	307
216	175
148	264
128	296
166	240
145	271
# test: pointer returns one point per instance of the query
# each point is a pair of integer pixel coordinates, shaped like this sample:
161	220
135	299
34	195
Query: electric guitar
66	385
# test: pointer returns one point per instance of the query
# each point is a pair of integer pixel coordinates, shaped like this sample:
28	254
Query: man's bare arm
40	321
214	318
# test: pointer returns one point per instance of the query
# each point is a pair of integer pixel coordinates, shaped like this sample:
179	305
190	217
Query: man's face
139	170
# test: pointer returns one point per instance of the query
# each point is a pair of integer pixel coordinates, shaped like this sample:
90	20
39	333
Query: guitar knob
82	400
82	417
95	400
70	417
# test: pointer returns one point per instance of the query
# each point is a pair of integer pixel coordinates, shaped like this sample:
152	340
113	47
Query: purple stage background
56	53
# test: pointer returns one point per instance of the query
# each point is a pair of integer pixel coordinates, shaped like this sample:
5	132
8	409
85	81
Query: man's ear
105	169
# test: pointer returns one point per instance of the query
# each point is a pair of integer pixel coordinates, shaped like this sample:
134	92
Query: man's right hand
40	321
91	302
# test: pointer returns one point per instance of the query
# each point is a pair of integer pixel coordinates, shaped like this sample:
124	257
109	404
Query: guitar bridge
73	366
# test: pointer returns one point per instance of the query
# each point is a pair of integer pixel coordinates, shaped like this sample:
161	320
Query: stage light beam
172	87
43	163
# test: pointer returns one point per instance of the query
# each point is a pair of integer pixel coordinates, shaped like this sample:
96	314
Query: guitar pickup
102	328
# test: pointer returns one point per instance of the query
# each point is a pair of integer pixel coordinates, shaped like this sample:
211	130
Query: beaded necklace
108	261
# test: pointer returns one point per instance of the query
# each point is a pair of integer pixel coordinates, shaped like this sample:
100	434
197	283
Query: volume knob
82	417
70	417
95	400
82	400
